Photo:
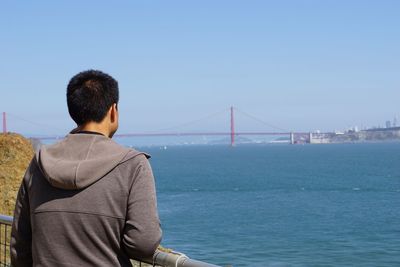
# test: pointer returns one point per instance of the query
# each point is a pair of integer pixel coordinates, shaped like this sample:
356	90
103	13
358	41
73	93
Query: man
86	201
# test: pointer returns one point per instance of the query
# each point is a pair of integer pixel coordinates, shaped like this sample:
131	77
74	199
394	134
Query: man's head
92	98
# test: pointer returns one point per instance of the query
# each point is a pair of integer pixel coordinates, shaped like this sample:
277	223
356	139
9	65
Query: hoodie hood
80	160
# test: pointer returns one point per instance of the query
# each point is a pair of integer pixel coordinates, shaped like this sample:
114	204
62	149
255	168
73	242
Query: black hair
90	94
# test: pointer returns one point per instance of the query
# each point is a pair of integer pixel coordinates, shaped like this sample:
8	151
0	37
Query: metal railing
160	258
5	232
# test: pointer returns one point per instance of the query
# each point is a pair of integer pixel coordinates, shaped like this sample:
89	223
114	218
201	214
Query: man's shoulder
135	156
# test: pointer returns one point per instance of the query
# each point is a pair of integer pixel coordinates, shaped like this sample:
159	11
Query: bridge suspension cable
41	125
182	125
261	121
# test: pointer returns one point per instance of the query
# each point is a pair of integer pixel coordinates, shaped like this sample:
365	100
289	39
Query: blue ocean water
281	205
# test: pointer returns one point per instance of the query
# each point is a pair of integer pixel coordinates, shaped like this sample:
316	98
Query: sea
281	205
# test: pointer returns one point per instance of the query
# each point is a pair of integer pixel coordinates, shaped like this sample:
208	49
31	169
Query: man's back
85	201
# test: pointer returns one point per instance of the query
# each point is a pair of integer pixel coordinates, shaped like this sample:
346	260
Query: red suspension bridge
293	136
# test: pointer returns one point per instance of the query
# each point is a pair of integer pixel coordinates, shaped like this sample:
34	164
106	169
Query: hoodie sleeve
142	233
21	233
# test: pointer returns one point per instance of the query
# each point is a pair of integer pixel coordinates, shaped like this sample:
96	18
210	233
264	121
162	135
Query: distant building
388	124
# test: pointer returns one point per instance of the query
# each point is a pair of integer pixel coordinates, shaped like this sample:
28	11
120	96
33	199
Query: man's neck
87	132
95	128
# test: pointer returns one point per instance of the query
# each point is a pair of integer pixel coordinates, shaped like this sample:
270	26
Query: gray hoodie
85	201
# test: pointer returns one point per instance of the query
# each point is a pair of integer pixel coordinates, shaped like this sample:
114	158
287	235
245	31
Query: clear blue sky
301	65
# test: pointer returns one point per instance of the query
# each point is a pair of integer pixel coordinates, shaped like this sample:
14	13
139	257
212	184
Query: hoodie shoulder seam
79	163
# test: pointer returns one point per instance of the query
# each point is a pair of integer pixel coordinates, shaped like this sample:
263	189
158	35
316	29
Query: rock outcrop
16	153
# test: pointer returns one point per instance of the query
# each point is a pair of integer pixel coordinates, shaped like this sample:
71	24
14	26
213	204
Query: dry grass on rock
15	154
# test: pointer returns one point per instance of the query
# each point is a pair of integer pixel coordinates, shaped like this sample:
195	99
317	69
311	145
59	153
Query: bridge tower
232	128
4	123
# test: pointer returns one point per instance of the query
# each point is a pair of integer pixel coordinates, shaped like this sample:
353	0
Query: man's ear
114	112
